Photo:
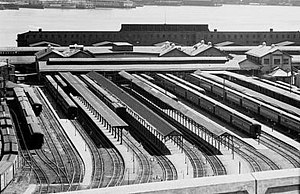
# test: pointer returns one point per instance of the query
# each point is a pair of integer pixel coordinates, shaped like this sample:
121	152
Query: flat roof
43	67
16	60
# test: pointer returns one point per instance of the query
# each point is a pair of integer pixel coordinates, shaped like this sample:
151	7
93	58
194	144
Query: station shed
110	119
202	128
156	129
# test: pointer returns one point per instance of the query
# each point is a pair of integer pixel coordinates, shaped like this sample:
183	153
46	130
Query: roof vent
172	44
264	44
209	43
273	45
202	42
76	47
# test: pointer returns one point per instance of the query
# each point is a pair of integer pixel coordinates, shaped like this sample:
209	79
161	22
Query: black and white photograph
150	96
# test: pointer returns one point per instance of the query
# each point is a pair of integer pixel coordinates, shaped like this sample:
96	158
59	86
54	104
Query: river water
224	18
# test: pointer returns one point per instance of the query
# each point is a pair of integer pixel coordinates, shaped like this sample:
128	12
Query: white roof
262	50
279	73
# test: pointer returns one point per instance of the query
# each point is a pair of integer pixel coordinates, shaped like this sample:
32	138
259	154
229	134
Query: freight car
260	108
35	134
67	105
212	106
34	101
111	101
9	151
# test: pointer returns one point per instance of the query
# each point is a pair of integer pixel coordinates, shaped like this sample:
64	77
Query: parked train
256	106
9	152
111	101
34	101
65	102
35	134
264	88
212	106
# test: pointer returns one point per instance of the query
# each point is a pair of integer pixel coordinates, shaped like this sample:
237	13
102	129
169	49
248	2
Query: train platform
77	141
233	163
281	136
80	145
180	161
130	161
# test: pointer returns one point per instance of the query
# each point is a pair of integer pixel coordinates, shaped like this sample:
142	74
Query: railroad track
281	148
145	170
255	167
264	163
169	170
195	160
60	168
215	163
73	173
40	173
115	161
98	162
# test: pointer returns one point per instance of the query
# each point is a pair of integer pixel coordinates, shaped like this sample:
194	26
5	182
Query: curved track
145	169
282	148
115	168
264	162
40	173
67	159
98	163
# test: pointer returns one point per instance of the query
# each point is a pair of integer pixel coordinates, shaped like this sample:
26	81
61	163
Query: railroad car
4	110
212	106
182	81
8	148
6	174
34	101
7	131
67	105
11	158
273	114
36	133
10	144
5	121
264	88
111	101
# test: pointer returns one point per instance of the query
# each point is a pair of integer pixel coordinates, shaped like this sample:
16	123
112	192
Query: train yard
142	128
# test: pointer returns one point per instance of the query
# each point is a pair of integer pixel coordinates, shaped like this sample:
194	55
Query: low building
270	57
7	73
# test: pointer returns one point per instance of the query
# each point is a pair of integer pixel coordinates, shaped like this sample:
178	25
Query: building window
276	61
286	61
266	61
